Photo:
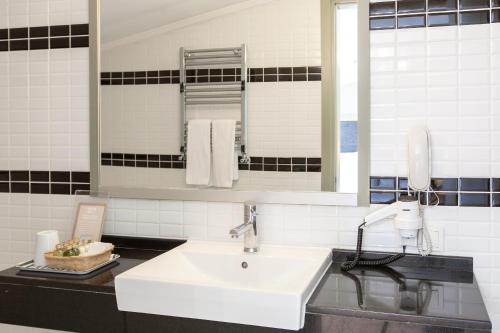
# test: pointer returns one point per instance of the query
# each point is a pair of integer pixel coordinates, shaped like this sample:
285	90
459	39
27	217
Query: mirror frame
275	197
329	120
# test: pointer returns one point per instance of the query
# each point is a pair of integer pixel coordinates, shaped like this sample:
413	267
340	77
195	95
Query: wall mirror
284	82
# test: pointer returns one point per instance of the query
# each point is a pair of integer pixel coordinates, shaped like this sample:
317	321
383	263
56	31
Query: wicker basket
78	263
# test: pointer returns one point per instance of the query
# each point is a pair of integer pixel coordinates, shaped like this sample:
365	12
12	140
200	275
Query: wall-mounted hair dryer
406	211
406	214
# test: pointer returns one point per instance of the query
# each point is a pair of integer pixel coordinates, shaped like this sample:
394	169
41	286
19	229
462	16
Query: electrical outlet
437	237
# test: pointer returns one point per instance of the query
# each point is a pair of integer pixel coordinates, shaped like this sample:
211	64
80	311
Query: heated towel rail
234	91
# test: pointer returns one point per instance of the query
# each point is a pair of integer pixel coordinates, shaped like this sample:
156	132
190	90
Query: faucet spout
240	230
248	228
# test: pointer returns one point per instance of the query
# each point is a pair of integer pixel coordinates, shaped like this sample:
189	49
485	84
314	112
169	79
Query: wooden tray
78	263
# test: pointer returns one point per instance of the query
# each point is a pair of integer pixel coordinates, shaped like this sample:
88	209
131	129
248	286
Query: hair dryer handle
381	214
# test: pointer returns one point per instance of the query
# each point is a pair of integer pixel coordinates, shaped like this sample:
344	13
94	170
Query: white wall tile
171	217
171	230
126	228
198	232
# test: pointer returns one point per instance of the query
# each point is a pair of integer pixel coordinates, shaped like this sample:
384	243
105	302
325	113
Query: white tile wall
443	78
43	125
456	118
44	110
175	178
284	118
260	27
24	13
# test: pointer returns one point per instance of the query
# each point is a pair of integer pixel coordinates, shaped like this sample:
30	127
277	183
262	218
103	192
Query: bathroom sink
218	281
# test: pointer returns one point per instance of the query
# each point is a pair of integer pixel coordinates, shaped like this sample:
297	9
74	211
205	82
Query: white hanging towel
223	154
198	152
236	174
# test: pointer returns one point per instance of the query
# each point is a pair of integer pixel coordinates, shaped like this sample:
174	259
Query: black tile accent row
403	14
215	75
44	37
278	164
156	161
466	192
44	182
282	164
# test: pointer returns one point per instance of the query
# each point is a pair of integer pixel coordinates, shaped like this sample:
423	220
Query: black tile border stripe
463	192
44	37
212	75
44	182
431	13
478	192
159	161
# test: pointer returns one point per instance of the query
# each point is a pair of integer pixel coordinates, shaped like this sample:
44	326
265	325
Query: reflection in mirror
222	94
346	68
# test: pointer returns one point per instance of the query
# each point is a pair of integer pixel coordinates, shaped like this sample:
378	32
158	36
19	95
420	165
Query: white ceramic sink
207	280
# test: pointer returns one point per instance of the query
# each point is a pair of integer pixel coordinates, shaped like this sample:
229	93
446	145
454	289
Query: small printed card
89	221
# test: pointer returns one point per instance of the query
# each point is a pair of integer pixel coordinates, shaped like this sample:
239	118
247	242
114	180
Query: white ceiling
121	18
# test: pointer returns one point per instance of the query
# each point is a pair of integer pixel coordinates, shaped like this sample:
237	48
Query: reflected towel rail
211	63
212	102
215	93
207	96
203	84
205	90
213	56
214	50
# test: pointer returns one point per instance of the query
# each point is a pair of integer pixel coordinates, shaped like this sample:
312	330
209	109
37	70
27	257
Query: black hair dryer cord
358	261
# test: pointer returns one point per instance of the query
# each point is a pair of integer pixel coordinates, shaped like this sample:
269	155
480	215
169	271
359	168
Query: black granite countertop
438	291
132	251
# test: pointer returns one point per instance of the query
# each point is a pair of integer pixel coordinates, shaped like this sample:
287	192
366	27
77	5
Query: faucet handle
250	211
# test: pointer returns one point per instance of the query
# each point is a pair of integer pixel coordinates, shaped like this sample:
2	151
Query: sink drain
244	265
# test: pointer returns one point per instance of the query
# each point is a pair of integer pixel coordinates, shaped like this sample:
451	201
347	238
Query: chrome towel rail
217	89
215	93
213	96
216	50
215	84
210	63
213	56
212	103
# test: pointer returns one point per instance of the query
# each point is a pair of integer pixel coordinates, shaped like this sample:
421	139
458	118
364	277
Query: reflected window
346	67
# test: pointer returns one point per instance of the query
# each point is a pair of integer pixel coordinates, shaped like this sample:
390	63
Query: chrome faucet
249	228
